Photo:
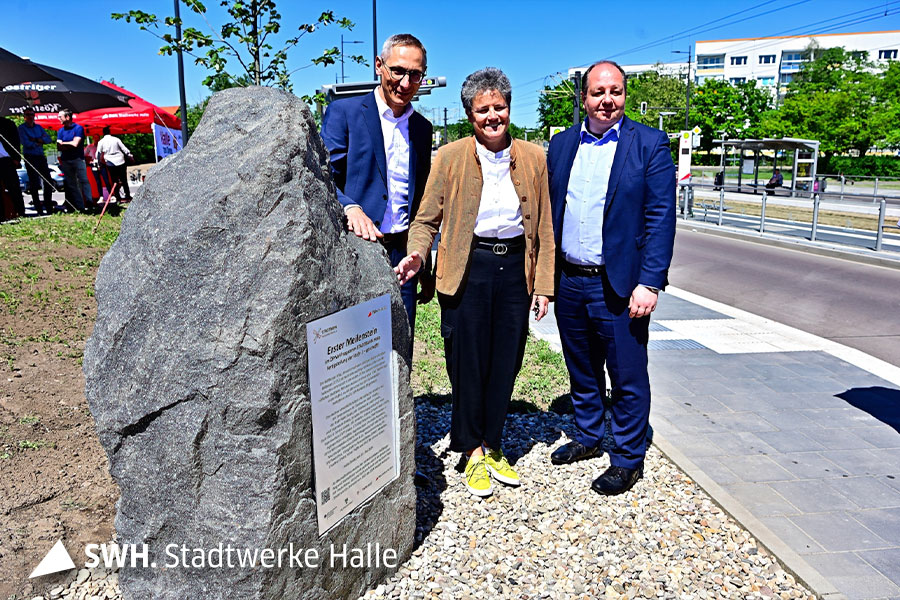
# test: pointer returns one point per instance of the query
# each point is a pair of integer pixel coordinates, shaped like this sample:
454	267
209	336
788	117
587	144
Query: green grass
60	229
542	384
30	420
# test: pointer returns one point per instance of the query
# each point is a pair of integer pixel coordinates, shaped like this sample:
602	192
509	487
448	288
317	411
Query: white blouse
500	212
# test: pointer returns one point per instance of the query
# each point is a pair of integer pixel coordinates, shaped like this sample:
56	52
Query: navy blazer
352	134
639	216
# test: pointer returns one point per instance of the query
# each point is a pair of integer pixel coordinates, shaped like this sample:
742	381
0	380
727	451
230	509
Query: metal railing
689	206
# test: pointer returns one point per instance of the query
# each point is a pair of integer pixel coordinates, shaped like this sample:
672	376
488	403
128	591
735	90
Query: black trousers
484	327
10	180
38	177
119	174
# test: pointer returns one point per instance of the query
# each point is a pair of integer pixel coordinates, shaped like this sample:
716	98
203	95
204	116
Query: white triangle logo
57	560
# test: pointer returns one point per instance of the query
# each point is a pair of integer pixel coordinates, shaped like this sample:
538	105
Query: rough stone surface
196	370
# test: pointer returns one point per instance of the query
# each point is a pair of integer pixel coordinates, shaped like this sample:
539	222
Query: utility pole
374	39
343	79
184	127
446	137
687	99
576	114
254	35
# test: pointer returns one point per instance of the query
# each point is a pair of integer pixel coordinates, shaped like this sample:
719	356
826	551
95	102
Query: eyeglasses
398	73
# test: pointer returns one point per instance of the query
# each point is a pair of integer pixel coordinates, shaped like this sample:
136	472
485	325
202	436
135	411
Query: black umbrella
64	90
16	70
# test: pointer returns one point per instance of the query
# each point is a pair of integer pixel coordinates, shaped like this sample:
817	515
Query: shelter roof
771	144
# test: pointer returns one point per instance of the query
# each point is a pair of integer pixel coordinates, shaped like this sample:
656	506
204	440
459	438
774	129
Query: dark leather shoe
616	480
573	452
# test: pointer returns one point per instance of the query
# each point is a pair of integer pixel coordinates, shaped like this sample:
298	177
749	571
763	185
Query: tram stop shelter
803	168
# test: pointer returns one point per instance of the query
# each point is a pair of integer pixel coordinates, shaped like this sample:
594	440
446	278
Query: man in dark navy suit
380	152
612	190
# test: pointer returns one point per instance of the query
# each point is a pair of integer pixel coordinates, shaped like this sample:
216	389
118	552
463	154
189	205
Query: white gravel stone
553	537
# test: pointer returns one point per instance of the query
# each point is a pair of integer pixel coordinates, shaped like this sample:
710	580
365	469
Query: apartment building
770	61
773	61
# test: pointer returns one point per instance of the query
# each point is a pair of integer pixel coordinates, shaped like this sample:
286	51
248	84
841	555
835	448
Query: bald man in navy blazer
612	191
380	150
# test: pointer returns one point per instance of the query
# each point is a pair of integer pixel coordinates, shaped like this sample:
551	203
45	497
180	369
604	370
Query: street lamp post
342	54
181	95
374	37
687	98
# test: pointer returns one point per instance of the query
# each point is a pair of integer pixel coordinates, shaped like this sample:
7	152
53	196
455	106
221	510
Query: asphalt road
855	304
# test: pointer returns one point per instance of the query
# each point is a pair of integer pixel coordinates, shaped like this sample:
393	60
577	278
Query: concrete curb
881	259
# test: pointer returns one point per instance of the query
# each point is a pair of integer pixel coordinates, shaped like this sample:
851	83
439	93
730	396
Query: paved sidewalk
796	436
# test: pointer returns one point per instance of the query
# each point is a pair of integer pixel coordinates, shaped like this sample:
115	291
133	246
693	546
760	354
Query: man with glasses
380	152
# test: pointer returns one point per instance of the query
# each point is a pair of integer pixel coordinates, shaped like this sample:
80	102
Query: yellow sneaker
498	466
477	479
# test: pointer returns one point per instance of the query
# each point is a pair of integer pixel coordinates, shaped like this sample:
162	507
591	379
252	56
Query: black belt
499	246
582	270
395	240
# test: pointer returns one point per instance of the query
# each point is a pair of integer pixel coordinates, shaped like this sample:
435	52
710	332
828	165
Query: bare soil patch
54	479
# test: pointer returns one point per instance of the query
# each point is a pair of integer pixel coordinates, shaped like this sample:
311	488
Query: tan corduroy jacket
453	195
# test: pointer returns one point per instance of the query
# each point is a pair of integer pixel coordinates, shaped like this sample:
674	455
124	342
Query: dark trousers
595	329
484	327
395	245
101	178
119	174
78	188
10	180
39	176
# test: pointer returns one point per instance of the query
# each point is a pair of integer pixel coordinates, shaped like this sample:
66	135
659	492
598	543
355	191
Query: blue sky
530	40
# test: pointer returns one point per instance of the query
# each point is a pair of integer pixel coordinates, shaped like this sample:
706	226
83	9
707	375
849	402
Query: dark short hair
584	77
67	111
403	39
106	130
28	110
485	80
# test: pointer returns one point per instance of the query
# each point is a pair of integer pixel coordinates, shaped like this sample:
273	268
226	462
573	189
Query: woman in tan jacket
495	262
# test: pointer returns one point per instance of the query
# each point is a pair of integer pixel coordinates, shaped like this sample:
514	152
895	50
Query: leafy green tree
460	129
886	117
658	91
520	133
194	114
840	99
555	106
718	106
242	47
141	146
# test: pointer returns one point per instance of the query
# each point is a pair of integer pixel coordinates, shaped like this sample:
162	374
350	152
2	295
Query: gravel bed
553	537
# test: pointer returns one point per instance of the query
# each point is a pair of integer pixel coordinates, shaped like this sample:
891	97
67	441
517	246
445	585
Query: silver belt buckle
500	249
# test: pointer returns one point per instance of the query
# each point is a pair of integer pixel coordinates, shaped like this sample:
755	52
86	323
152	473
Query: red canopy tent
138	118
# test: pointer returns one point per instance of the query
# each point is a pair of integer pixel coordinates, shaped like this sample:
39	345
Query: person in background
97	168
776	181
9	162
494	264
115	155
70	143
33	138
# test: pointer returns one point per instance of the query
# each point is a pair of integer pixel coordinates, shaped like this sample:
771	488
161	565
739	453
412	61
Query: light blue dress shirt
395	131
582	234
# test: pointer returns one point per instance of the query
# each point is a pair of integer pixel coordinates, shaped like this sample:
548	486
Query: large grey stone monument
197	367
